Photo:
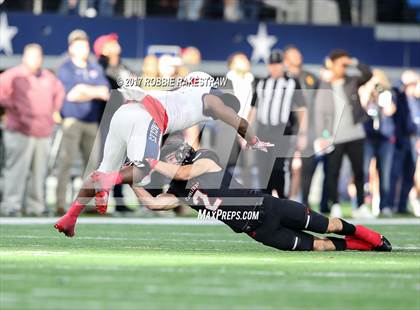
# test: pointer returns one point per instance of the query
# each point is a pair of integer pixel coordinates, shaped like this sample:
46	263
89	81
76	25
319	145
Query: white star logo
261	44
6	35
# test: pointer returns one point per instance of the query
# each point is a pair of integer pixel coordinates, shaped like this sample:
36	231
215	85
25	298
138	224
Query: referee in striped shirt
279	111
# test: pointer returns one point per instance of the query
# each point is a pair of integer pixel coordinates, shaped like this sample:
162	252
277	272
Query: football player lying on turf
196	177
136	130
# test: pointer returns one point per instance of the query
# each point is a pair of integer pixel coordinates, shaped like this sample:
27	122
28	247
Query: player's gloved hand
257	144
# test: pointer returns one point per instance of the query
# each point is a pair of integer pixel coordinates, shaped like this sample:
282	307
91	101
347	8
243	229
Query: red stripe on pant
157	111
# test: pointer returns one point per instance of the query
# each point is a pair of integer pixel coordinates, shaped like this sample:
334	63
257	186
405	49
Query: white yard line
109	220
174	221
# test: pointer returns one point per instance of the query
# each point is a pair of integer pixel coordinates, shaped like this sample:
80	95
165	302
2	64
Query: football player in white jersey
136	131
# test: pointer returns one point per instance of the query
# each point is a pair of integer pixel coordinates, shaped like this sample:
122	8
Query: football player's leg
296	216
113	156
359	233
341	244
293	240
284	239
127	137
144	142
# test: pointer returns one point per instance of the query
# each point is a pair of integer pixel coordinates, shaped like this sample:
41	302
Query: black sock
339	243
348	229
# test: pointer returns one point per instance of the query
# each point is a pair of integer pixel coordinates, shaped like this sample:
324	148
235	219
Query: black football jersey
216	193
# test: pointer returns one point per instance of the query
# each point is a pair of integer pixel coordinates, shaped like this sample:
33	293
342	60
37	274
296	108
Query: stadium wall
390	47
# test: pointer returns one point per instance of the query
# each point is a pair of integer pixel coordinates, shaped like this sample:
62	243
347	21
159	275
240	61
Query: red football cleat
101	201
353	243
66	225
368	235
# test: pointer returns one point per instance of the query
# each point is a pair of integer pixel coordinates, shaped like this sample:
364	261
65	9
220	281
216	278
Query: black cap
338	53
276	57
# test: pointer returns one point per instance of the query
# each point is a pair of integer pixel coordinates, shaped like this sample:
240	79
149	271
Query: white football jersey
184	106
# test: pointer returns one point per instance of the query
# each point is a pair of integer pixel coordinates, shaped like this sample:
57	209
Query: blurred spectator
108	51
407	145
339	116
251	9
191	59
293	61
344	8
275	101
240	83
234	10
190	9
69	7
162	7
150	66
85	83
231	10
191	56
150	69
168	66
376	98
30	95
102	7
94	7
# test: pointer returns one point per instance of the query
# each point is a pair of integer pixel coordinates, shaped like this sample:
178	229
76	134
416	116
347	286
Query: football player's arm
186	172
160	202
226	114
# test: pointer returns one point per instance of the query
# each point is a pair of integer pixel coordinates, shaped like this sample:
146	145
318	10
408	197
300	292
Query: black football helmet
176	147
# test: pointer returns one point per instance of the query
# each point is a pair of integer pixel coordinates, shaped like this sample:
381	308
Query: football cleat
66	225
386	246
353	243
368	235
101	201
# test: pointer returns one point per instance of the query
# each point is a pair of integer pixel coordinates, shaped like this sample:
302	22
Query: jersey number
205	200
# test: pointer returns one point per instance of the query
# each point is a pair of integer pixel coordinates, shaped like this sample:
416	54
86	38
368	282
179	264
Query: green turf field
198	267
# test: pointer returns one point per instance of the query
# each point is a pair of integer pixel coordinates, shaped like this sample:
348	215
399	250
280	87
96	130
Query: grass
198	267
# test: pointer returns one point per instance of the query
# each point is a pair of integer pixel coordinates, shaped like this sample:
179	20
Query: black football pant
284	224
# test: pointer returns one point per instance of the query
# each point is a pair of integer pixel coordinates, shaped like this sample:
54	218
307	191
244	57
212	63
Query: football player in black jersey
199	181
